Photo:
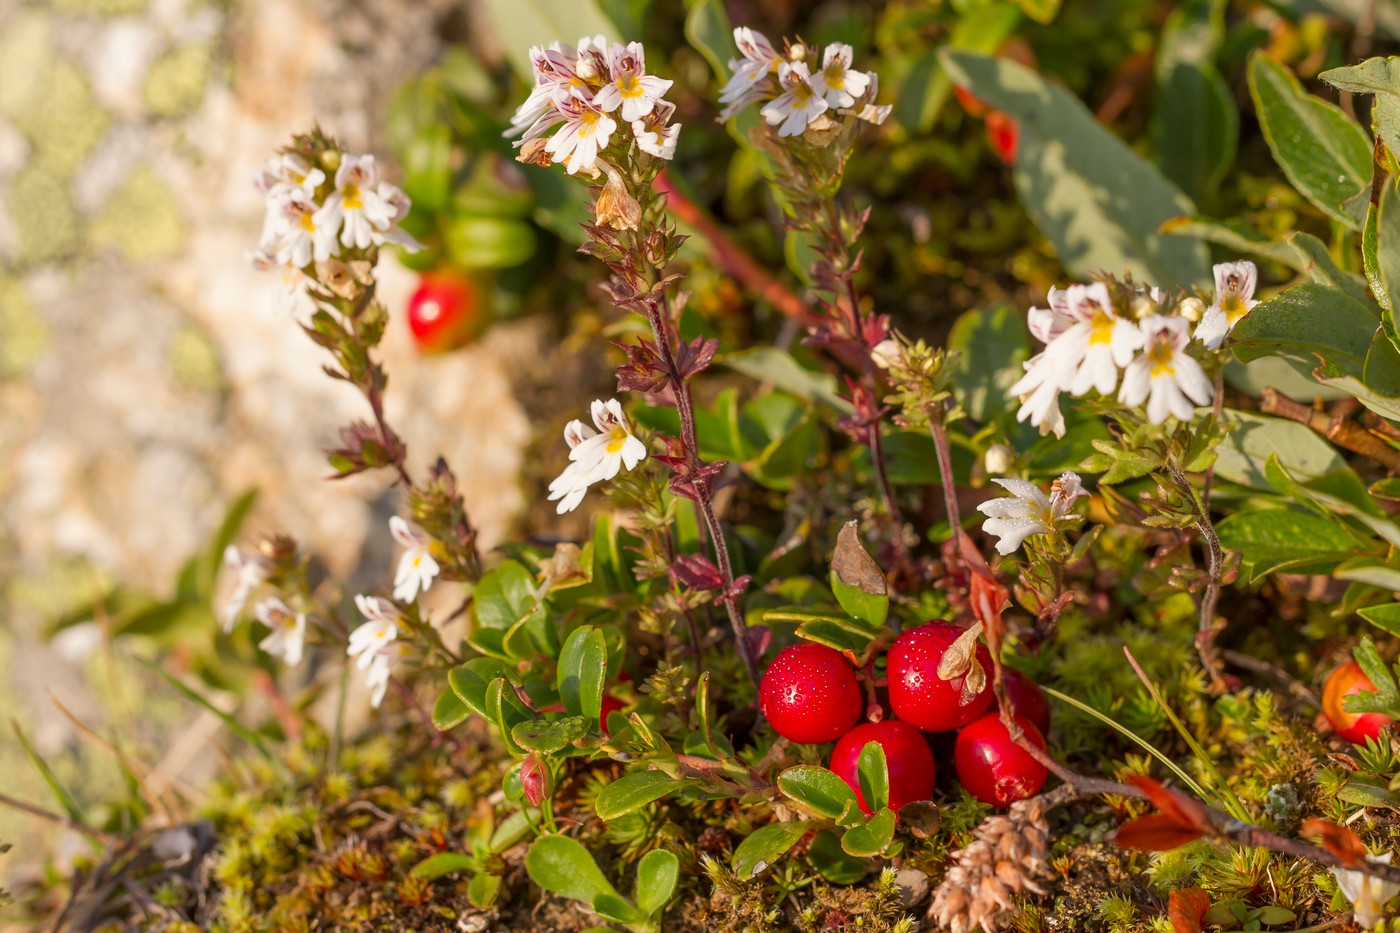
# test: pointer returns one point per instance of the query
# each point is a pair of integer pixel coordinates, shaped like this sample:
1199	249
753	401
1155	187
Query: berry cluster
810	694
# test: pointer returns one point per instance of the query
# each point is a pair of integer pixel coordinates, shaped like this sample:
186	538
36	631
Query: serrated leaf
871	837
1097	200
583	670
1323	152
764	846
819	790
634	791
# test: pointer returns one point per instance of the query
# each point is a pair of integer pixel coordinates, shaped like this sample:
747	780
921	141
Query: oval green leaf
819	790
634	791
765	846
657	874
583	669
561	865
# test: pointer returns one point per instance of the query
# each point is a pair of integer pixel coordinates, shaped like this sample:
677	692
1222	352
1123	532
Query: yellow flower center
351	198
588	122
308	222
1101	327
1234	307
630	86
616	438
801	93
1161	357
836	75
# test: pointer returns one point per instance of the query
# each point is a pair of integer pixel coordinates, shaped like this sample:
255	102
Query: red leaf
1155	833
1339	840
1187	910
1186	812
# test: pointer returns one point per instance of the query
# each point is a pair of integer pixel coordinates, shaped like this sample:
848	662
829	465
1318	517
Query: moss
175	84
60	118
43	213
100	7
23	335
26	55
142	220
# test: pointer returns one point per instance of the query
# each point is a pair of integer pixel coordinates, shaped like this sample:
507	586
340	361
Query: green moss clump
142	220
23	335
175	84
42	210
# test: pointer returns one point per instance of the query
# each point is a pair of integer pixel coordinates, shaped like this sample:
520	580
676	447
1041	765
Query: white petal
1012	531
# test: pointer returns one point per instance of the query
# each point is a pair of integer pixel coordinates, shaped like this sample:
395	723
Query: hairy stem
1209	626
685	407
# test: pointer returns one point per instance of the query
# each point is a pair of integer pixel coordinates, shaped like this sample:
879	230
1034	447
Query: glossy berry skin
445	312
907	757
1342	683
810	694
917	694
1027	700
995	769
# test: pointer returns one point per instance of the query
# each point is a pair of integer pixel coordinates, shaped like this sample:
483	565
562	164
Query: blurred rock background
148	377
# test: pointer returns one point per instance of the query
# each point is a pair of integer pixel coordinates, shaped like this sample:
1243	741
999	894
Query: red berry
445	312
995	769
907	757
918	695
1027	700
809	694
1004	136
1346	680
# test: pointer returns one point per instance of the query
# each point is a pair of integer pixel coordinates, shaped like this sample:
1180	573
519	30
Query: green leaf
782	370
657	874
634	791
1236	236
819	790
504	596
518	24
583	669
504	709
982	27
207	569
444	863
857	581
65	800
1251	439
1195	127
1098	201
1323	152
550	735
874	776
832	862
842	637
449	711
764	846
1323	269
1382	254
1373	667
1284	539
1381	77
1042	11
871	837
1309	323
470	680
708	32
1385	617
561	865
483	889
991	347
617	908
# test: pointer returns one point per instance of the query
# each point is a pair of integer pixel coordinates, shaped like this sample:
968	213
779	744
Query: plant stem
685	407
1209	626
939	430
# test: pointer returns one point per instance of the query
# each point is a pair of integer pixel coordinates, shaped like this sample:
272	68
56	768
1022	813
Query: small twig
41	813
1256	666
1209	626
1338	429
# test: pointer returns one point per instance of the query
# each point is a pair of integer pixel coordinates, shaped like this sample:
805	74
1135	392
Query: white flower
659	141
836	83
285	172
1028	511
596	455
759	61
1045	324
1103	341
1234	298
299	233
1164	375
585	133
1039	391
381	628
355	207
887	353
288	636
251	572
630	87
1368	895
871	112
417	568
381	668
798	105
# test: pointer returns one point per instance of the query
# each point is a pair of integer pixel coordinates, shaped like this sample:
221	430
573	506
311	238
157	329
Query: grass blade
236	727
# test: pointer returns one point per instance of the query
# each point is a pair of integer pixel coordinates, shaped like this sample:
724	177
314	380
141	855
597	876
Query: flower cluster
311	218
794	97
580	88
1094	333
375	645
595	455
1028	511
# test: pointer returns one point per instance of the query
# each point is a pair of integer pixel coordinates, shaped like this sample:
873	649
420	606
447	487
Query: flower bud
1191	308
999	459
887	354
535	778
